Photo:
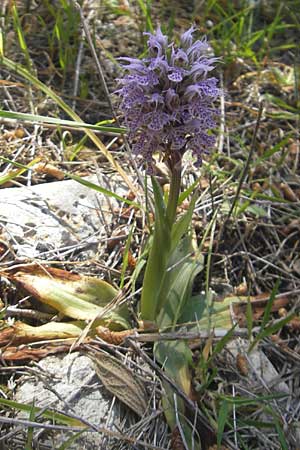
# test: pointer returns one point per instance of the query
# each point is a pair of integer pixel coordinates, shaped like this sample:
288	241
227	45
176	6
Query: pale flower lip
166	99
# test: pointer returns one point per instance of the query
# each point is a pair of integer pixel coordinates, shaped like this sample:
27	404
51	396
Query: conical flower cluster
167	97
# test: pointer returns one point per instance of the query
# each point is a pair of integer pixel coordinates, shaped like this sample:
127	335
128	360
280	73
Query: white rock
69	383
51	216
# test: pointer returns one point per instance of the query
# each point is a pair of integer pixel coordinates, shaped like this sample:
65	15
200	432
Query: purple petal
134	63
176	75
186	38
172	99
156	99
179	57
159	63
197	49
157	42
157	120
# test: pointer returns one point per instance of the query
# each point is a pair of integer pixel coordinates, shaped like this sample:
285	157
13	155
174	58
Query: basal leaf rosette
167	98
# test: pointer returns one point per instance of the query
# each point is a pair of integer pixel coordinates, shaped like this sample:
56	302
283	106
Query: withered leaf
24	352
77	296
121	381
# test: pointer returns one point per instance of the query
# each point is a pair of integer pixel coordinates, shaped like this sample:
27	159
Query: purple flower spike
166	99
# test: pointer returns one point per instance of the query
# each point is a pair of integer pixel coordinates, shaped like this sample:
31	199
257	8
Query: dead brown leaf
121	381
50	170
32	354
113	337
288	192
176	440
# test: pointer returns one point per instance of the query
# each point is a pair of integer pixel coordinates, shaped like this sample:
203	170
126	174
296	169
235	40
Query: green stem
174	194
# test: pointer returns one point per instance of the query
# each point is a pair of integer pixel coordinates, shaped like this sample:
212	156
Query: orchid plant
166	100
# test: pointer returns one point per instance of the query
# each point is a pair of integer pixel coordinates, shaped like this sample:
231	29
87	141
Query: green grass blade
21	38
277	148
15	173
1	44
249	318
281	103
269	305
47	413
71	440
244	401
98	188
222	419
52	120
30	429
272	329
281	437
146	10
222	342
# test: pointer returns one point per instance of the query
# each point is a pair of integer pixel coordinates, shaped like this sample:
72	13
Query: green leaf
182	225
160	206
176	358
79	297
183	266
184	195
254	209
157	260
200	313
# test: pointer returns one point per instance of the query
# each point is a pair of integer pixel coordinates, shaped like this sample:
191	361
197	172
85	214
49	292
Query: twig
31	313
185	335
